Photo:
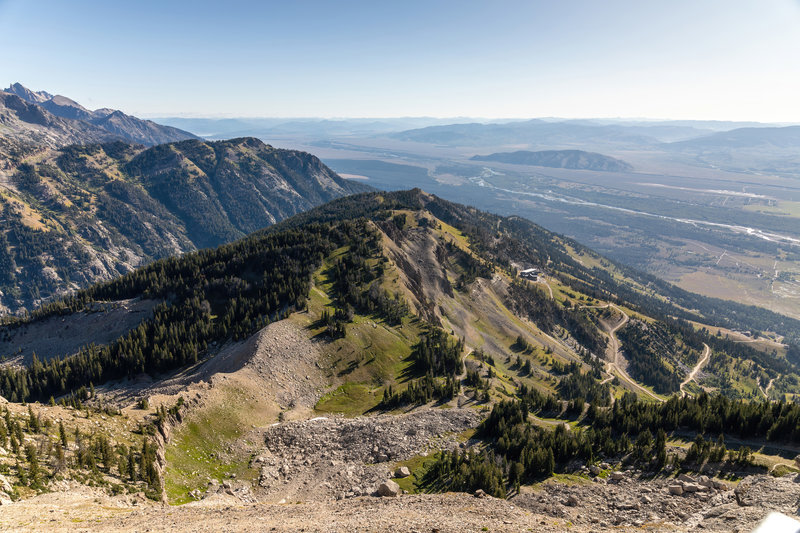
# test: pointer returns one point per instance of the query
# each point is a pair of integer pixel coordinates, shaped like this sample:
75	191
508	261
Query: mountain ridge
100	210
27	127
402	302
119	125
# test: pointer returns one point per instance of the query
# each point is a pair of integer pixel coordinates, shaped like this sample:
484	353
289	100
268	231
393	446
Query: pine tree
62	434
33	463
132	464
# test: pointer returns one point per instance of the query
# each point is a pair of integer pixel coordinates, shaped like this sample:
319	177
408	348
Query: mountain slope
765	149
749	138
117	124
574	159
34	97
388	302
82	214
26	126
390	256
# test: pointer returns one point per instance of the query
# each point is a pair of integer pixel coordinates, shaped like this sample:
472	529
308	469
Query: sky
677	59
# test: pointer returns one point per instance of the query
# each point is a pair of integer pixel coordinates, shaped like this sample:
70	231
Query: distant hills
574	159
265	128
769	137
532	132
598	133
85	213
109	124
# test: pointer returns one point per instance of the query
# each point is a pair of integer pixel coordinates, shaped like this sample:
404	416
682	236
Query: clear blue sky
715	59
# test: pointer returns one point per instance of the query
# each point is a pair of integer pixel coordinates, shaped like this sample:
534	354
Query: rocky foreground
554	507
339	475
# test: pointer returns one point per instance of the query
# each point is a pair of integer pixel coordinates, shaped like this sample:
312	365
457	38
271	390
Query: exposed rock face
5	486
116	125
27	126
100	211
36	97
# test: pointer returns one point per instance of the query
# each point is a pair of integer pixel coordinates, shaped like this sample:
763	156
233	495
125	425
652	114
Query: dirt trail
615	355
700	364
765	390
549	288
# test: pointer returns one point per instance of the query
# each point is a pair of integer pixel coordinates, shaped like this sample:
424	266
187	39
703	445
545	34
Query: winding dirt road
700	364
765	390
614	366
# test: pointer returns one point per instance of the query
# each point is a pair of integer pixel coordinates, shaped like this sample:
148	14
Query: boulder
402	471
691	487
743	497
686	478
480	494
595	470
388	488
676	489
617	476
572	501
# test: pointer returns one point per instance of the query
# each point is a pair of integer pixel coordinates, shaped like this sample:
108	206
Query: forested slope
83	214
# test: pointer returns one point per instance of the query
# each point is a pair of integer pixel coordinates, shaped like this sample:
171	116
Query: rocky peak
34	97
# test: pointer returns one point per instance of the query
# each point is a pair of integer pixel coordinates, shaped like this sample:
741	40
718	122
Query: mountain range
85	213
37	122
612	135
243	289
390	256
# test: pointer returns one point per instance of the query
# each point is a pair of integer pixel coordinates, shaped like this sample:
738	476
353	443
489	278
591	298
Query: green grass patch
350	399
199	449
418	466
783	469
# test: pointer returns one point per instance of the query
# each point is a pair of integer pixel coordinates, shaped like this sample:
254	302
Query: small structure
530	273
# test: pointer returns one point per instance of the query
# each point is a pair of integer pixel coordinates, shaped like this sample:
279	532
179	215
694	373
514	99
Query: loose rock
388	488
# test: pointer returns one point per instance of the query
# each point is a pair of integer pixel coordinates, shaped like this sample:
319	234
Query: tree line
205	297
